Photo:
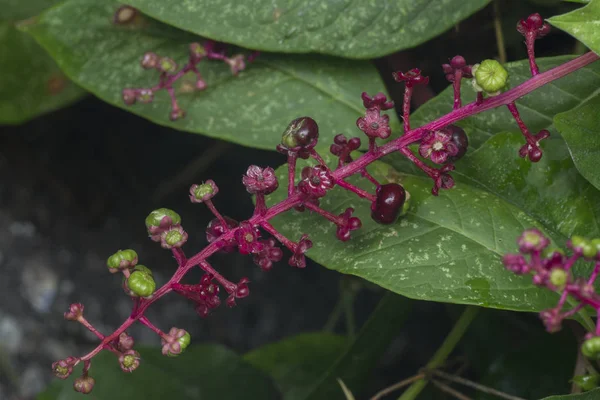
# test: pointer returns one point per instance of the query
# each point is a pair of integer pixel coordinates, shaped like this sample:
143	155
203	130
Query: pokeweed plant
308	180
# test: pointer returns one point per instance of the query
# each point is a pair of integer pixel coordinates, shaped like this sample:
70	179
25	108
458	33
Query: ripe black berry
387	206
460	139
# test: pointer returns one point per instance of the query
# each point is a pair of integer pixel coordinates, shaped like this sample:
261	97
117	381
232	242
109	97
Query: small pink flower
348	224
259	180
129	360
411	78
269	254
316	181
203	192
532	240
298	259
552	319
516	263
375	125
75	312
63	368
534	24
437	146
457	63
247	239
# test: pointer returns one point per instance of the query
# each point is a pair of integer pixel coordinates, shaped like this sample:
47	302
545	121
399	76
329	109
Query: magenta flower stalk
441	143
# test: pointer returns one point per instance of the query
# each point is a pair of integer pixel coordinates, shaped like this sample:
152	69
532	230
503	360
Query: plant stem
499	34
457	332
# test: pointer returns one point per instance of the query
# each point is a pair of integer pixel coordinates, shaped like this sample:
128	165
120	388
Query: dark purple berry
300	132
460	140
387	206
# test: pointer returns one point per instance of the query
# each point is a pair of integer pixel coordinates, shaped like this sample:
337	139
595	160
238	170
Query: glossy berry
460	140
388	204
591	348
301	133
583	246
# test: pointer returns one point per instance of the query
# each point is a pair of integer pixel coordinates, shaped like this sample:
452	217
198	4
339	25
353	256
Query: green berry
584	245
141	283
173	237
155	218
591	348
558	277
184	342
122	259
143	268
490	76
587	382
203	190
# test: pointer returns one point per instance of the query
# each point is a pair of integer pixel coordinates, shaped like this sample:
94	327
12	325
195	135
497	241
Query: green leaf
298	362
537	108
202	372
344	28
581	129
582	24
550	191
252	109
31	83
308	367
449	248
591	395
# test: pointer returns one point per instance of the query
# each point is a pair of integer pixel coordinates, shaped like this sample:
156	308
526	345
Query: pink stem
280	237
229	286
331	217
260	208
359	192
291	174
370	177
408	90
530	43
432	172
217	214
456	87
143	320
512	107
594	274
179	255
318	157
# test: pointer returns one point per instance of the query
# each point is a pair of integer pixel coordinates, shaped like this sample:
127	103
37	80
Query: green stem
440	356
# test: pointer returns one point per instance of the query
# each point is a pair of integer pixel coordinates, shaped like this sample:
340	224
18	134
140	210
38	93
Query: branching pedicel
440	142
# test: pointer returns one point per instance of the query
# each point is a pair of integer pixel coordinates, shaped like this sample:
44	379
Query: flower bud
129	360
150	60
175	342
559	277
175	236
591	348
161	219
166	64
203	192
145	96
84	384
126	342
129	96
75	312
489	76
122	259
197	52
141	283
532	240
63	368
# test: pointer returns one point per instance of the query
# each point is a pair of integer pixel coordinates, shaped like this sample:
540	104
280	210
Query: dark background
76	185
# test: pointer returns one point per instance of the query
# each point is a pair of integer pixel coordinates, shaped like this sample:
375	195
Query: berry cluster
552	268
439	142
